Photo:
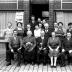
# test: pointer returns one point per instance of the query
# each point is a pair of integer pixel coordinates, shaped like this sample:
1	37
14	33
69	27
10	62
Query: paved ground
30	68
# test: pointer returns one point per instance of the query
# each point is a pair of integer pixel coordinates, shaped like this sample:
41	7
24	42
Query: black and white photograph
35	35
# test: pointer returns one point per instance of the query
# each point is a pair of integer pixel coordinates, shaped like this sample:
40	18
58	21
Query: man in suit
67	49
47	32
41	48
69	28
15	45
33	23
29	44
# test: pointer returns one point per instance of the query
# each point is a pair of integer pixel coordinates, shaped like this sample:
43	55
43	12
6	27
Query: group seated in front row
34	49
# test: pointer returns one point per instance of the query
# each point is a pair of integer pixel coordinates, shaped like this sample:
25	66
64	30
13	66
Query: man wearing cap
29	44
69	28
41	48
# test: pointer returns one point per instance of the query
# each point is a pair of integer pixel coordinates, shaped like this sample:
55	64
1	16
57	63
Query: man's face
9	25
39	20
33	21
36	27
60	25
40	25
19	25
15	33
44	21
68	34
53	34
69	26
55	25
28	26
32	18
46	27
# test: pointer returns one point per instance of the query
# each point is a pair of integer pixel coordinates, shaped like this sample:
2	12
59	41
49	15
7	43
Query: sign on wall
45	14
19	17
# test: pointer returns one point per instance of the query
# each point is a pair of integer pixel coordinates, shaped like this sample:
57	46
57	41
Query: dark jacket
15	43
67	44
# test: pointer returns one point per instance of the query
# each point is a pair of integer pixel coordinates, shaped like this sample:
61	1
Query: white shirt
8	33
37	33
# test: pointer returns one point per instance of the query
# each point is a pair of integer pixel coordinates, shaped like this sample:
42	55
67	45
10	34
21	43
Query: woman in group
37	31
53	45
20	30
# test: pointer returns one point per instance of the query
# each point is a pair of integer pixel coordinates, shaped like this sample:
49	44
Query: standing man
29	44
8	32
33	22
15	45
47	32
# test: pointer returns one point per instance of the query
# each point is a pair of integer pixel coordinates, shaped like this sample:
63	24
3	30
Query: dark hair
60	23
32	16
69	24
19	23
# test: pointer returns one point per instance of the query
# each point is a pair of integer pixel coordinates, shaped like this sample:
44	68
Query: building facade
59	10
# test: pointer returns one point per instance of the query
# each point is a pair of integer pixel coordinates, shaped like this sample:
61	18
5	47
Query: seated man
41	48
15	44
29	44
67	48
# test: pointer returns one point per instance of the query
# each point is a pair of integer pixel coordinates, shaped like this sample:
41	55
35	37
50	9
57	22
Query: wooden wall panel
64	17
10	17
8	6
6	17
67	6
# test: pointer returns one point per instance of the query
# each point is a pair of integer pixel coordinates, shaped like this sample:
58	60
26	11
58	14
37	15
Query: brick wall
57	4
26	12
51	12
53	5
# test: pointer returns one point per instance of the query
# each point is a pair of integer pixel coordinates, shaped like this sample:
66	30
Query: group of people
38	43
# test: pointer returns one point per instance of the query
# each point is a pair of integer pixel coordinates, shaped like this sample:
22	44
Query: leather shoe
8	64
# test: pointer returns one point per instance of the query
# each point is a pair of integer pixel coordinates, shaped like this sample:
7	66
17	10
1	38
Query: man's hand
12	50
70	51
44	48
63	50
19	48
56	49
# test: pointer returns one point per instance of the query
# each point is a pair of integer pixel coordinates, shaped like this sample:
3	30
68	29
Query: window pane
8	0
67	6
67	0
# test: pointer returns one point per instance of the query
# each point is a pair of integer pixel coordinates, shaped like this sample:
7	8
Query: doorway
38	9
